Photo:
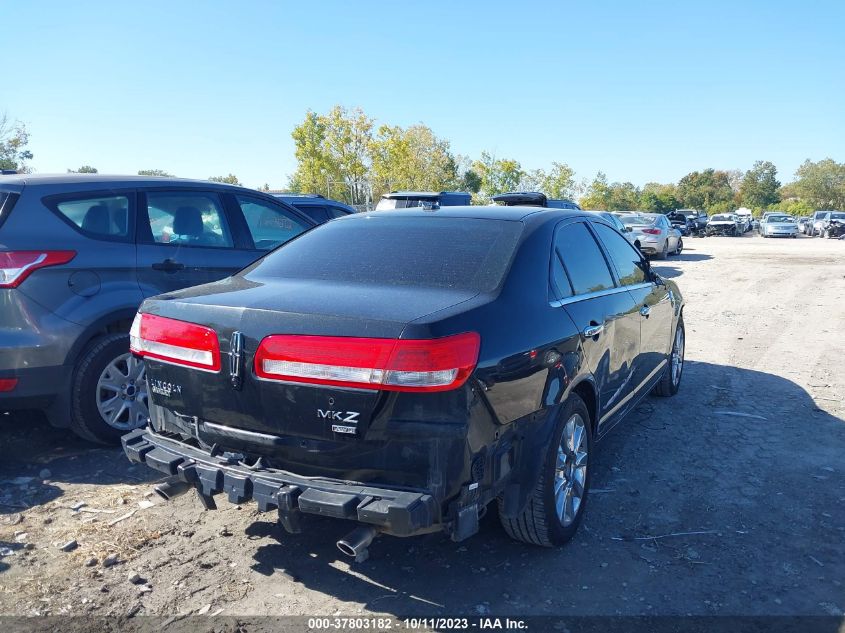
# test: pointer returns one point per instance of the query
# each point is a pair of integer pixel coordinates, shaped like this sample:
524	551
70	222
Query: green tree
759	187
597	194
13	141
85	169
314	169
822	184
332	153
498	175
558	182
410	158
231	179
154	172
704	189
659	198
617	196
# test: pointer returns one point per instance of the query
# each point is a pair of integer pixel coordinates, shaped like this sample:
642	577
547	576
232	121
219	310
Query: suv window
336	212
270	225
188	218
585	265
106	216
628	262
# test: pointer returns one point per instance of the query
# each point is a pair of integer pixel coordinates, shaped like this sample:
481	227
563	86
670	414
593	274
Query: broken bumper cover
397	512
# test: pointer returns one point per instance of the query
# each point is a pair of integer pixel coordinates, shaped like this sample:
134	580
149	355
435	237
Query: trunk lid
258	309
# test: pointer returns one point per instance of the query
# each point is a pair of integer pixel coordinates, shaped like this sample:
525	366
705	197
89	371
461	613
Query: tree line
344	154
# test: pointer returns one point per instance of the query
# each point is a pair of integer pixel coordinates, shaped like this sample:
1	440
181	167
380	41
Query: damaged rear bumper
396	512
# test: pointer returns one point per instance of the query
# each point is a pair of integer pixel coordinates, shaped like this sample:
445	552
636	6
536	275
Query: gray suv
79	253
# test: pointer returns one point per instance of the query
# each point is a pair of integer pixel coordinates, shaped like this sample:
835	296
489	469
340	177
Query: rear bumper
396	512
36	387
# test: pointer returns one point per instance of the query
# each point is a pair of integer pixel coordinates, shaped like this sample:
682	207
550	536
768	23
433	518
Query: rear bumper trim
397	512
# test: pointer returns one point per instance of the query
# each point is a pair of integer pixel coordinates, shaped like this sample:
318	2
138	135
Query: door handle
593	330
645	311
168	266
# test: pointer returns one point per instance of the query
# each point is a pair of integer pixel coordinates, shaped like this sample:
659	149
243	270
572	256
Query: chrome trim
599	293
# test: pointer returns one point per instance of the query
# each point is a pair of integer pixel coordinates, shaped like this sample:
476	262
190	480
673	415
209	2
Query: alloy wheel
571	469
678	356
122	397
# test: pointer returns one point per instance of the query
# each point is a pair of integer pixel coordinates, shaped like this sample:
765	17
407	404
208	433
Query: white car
723	224
778	225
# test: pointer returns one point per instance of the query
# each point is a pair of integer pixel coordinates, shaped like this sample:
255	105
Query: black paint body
463	447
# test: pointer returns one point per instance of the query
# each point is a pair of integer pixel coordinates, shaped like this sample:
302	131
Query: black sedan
406	370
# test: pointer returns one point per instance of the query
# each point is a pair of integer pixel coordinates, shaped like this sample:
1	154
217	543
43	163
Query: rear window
7	201
388	204
106	216
456	253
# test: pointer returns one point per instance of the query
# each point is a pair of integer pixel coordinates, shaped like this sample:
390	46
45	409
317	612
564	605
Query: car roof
489	212
419	194
112	179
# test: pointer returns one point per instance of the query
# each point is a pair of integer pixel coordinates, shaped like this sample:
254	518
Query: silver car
778	225
613	218
654	233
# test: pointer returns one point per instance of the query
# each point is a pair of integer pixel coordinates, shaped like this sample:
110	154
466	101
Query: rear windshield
457	253
387	204
633	220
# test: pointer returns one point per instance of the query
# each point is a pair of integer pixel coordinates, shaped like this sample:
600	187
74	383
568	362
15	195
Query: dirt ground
727	499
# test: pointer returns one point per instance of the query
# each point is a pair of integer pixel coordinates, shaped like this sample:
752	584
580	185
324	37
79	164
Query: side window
188	218
560	282
335	212
314	211
269	225
628	262
106	216
583	259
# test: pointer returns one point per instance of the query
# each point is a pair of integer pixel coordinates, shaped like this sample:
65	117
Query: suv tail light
15	266
651	231
175	342
8	384
369	363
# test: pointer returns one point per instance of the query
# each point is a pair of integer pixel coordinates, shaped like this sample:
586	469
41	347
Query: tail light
15	266
651	231
369	363
175	342
8	384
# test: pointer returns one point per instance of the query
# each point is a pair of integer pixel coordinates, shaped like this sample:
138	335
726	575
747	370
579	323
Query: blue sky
641	90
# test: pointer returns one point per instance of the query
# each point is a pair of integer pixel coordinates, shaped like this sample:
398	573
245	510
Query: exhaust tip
171	488
346	548
357	541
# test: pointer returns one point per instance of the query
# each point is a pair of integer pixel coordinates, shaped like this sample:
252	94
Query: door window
106	216
188	218
585	265
269	225
628	262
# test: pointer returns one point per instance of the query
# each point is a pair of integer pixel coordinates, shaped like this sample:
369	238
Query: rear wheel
679	247
668	385
109	392
555	508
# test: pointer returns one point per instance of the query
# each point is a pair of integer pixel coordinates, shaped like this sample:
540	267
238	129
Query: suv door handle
168	266
645	311
593	330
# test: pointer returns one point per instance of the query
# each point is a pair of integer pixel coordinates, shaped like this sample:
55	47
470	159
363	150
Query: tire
671	380
680	246
540	522
105	368
665	252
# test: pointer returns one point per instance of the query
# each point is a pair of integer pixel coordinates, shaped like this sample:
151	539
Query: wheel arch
117	322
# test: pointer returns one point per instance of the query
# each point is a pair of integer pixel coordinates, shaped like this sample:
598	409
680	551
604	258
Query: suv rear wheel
556	506
109	392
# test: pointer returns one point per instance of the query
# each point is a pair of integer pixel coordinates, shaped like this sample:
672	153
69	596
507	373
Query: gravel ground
728	499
